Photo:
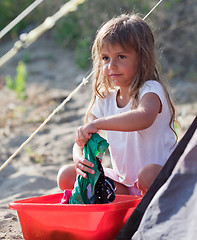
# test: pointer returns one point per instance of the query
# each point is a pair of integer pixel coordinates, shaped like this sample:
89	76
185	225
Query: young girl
130	103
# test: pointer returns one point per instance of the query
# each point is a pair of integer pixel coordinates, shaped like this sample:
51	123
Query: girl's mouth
114	75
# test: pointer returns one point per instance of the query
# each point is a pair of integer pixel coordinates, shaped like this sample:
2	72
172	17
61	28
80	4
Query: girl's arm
133	120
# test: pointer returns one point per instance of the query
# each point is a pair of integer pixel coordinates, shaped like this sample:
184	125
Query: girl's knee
147	175
66	177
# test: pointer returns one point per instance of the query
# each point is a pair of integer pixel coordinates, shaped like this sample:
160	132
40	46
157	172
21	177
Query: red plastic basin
44	218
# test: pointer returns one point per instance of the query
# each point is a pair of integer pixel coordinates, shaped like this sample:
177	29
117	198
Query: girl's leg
66	177
147	175
121	189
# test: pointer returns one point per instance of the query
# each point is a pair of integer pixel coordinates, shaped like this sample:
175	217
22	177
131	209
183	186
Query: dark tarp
171	214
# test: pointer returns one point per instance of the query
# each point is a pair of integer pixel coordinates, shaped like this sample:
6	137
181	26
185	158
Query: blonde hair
130	32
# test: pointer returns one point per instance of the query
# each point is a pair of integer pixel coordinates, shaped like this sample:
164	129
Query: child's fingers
80	134
84	165
81	139
81	173
84	132
86	162
80	143
84	168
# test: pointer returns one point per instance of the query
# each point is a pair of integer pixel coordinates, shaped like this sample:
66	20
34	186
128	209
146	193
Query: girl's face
119	65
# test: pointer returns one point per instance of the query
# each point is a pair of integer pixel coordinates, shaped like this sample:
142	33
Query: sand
52	75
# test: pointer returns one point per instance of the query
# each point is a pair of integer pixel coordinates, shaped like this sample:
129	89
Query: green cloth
79	194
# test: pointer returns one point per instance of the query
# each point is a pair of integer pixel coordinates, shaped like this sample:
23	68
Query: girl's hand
84	133
82	165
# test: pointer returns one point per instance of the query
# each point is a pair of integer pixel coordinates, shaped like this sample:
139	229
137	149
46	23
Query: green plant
66	32
26	56
78	29
192	76
35	157
9	10
9	82
19	83
82	53
21	79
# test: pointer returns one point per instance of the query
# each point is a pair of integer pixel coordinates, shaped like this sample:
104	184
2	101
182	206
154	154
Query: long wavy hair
130	32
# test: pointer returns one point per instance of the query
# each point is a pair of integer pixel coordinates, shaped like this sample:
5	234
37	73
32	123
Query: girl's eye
121	56
105	58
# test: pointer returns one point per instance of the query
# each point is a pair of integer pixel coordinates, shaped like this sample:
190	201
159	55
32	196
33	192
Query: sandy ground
52	75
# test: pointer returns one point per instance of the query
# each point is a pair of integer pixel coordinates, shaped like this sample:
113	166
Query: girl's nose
112	64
